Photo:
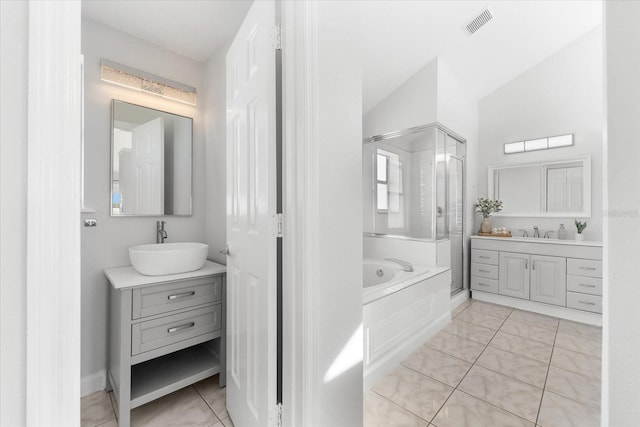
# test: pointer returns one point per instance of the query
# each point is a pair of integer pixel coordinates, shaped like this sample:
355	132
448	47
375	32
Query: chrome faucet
536	231
524	233
406	266
548	234
161	234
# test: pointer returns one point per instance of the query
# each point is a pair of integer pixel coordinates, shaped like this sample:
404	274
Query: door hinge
276	416
277	37
279	225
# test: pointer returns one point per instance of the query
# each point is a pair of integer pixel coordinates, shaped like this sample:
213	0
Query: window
388	181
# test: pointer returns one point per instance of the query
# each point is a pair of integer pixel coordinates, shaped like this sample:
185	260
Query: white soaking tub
401	311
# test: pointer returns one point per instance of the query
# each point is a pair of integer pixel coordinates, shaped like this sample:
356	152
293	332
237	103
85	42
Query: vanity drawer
584	302
152	334
161	299
484	270
483	284
586	285
484	256
584	267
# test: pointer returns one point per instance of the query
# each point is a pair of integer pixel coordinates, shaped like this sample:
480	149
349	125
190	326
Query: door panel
514	275
549	279
251	208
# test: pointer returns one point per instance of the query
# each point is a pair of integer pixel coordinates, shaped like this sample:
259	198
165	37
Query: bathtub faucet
406	266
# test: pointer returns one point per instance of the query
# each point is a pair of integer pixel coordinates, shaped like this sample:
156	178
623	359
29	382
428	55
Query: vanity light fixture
131	78
539	144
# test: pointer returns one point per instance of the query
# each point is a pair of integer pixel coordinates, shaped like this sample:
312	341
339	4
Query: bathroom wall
14	42
563	94
215	118
106	245
621	344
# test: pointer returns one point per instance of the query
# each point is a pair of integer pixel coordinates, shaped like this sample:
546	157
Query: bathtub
401	311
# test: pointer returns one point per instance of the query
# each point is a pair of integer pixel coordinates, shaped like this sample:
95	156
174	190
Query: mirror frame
586	188
111	214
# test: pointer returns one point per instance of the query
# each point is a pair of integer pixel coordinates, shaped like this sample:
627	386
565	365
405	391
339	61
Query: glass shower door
455	215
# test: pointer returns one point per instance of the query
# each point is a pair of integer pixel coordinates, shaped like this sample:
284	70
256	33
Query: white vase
579	237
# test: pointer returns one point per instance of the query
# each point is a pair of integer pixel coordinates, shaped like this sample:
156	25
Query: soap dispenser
562	232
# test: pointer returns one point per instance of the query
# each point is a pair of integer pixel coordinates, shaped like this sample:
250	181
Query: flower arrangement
486	207
581	226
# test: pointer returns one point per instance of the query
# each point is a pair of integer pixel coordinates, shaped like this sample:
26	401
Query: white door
251	209
142	170
514	275
549	279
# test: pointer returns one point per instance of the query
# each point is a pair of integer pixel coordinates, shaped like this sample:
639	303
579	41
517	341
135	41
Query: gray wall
106	245
562	94
13	204
621	374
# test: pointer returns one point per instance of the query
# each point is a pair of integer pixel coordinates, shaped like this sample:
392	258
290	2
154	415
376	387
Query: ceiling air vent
477	22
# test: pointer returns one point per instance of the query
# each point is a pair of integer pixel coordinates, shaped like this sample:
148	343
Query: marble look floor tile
437	365
470	331
112	423
459	309
529	331
454	345
114	402
559	411
226	422
480	318
577	362
463	410
580	329
513	365
96	409
215	396
504	392
535	319
182	408
496	310
413	391
580	344
522	346
574	386
381	412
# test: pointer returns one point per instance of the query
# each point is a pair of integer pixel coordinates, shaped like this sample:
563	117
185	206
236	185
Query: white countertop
544	241
127	277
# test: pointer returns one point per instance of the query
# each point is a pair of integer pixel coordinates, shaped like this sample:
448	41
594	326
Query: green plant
581	226
486	207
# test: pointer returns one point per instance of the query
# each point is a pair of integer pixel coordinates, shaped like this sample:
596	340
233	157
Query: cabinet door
514	275
549	279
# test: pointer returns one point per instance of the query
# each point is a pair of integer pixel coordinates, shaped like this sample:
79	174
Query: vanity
165	333
561	278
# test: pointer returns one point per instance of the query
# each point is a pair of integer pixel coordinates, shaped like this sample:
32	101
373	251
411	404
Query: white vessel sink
168	258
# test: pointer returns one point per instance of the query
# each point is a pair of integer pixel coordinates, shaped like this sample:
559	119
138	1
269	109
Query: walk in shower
413	187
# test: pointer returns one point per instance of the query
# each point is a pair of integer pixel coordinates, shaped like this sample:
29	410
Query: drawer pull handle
484	257
483	271
182	295
588	268
586	286
587	303
482	284
181	327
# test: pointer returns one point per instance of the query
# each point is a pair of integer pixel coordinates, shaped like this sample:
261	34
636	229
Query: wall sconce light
539	144
131	78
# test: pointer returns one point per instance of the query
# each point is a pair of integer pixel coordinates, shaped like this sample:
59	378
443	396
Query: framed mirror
550	189
151	161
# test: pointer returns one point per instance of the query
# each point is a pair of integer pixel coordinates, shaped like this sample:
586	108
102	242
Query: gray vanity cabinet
166	332
549	279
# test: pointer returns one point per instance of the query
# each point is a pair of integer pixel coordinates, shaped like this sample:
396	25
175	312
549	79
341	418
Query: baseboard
92	383
459	298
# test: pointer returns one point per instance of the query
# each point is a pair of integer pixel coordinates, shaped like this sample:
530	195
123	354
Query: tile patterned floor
200	405
495	366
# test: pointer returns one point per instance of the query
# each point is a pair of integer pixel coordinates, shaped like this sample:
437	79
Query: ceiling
193	28
399	37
